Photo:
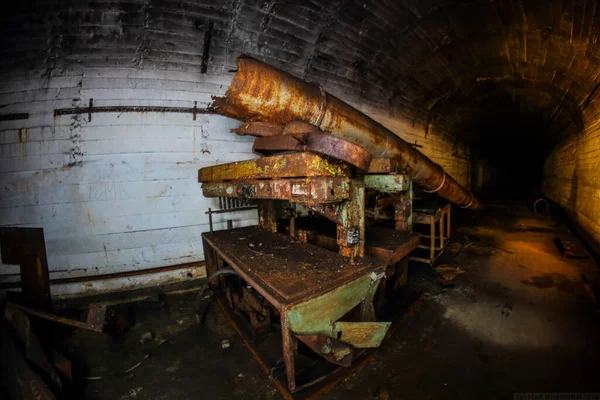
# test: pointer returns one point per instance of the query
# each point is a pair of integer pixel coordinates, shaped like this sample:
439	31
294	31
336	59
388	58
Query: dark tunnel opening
512	126
515	144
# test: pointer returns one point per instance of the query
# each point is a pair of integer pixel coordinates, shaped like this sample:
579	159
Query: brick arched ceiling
443	63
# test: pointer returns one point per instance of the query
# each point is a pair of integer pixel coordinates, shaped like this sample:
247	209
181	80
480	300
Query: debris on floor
146	337
448	273
571	249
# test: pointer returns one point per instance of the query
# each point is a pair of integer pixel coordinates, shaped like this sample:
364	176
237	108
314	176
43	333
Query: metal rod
260	92
123	109
59	319
92	278
228	210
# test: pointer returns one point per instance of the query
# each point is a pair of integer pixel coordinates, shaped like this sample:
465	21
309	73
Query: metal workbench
309	287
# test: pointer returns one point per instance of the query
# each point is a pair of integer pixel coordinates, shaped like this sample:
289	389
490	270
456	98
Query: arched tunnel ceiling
440	63
445	65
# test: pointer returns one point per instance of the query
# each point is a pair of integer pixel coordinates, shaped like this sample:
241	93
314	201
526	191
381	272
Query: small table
436	243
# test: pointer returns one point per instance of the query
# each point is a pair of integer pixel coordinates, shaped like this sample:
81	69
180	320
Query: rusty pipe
260	92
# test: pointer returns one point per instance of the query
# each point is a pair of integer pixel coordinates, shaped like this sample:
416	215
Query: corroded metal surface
319	190
283	270
94	323
361	335
310	287
389	245
316	142
330	349
384	166
384	244
316	315
258	129
260	92
293	165
387	183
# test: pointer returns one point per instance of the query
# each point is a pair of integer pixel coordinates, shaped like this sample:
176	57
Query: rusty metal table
311	287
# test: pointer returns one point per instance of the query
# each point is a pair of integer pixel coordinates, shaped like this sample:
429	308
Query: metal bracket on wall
122	109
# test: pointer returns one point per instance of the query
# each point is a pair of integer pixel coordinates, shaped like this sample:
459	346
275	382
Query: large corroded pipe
260	92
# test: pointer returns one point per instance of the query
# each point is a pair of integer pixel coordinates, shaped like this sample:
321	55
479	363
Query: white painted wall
120	192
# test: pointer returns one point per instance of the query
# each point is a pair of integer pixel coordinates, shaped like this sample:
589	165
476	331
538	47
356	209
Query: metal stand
435	242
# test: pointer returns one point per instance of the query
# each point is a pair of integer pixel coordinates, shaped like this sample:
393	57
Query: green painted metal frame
400	187
320	315
387	183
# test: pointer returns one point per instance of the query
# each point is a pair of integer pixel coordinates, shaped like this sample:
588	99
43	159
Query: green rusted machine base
310	288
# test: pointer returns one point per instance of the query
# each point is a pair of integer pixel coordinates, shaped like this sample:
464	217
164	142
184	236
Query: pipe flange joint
471	202
322	107
439	187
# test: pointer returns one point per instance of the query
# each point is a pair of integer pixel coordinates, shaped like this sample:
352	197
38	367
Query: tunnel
497	90
107	114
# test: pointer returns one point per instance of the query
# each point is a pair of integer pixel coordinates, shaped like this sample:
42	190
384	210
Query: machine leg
442	237
267	215
367	311
289	348
432	243
209	260
448	216
351	233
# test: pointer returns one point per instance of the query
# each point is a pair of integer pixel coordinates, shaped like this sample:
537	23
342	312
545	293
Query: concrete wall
572	171
119	193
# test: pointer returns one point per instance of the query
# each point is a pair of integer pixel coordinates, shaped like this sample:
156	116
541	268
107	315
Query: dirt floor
520	319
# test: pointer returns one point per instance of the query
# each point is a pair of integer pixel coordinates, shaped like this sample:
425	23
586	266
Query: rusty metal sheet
389	245
269	145
328	145
283	270
260	92
293	165
300	127
96	325
258	129
95	318
386	245
387	183
330	349
311	191
384	166
314	316
362	335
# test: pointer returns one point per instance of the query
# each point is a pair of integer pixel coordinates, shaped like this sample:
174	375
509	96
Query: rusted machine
334	233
